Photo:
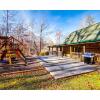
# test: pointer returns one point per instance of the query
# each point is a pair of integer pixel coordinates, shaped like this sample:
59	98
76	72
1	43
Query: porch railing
78	56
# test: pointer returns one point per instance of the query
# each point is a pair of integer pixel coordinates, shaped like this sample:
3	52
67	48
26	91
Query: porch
76	51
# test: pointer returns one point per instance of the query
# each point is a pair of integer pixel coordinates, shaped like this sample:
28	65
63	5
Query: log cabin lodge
80	42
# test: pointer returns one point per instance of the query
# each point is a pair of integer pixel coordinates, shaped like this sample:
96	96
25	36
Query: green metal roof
88	34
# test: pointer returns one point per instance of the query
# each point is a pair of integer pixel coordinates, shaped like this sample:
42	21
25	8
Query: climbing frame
11	49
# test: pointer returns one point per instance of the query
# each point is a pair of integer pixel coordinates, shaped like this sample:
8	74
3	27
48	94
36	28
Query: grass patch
42	80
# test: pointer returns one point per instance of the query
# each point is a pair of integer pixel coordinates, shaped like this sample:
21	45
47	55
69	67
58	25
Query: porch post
62	51
84	49
49	49
70	51
74	49
57	50
52	50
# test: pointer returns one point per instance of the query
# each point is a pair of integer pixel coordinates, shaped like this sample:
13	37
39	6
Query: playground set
11	51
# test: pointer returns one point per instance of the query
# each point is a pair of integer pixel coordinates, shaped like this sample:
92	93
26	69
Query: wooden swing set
11	50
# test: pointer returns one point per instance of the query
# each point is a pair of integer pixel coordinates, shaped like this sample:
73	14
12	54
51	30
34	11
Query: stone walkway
63	67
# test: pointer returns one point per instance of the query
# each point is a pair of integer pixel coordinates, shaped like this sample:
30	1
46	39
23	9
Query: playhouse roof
88	34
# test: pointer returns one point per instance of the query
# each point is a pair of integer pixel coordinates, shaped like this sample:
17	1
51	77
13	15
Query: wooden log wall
94	47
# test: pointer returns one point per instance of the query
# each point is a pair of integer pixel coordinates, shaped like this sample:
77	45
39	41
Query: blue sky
65	21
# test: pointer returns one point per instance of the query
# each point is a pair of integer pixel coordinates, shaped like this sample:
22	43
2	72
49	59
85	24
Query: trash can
88	58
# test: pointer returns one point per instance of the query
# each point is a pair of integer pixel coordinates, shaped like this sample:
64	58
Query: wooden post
70	51
83	52
9	57
84	49
57	50
74	54
49	49
74	49
52	50
62	51
10	62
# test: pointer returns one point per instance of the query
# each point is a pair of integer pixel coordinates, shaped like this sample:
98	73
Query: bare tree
8	21
40	29
43	26
87	21
49	42
58	37
2	30
19	30
32	38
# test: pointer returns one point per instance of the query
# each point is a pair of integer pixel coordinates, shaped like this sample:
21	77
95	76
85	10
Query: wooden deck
63	67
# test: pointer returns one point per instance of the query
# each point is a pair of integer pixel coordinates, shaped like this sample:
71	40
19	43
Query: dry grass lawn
42	80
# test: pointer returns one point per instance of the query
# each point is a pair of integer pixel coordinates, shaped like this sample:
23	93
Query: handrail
16	39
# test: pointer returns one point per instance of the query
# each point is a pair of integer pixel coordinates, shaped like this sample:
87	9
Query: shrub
44	53
41	54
